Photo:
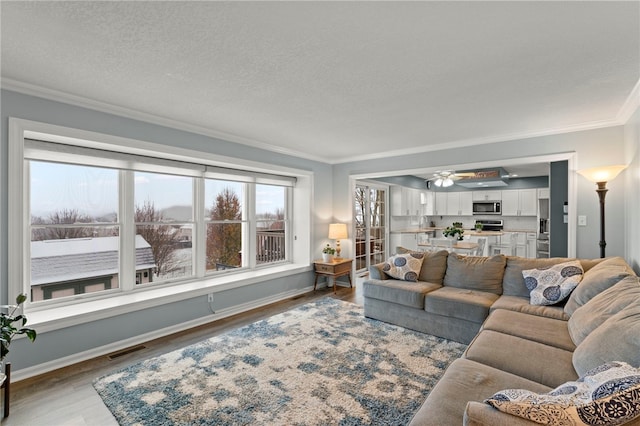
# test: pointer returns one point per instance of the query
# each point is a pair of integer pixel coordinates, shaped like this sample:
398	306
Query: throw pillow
552	284
608	394
433	267
404	266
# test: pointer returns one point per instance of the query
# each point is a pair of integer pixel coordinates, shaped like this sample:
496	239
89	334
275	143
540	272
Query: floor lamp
337	231
600	176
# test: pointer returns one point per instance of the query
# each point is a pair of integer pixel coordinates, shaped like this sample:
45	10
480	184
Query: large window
103	223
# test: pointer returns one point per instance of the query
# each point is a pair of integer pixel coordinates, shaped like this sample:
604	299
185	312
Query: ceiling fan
445	178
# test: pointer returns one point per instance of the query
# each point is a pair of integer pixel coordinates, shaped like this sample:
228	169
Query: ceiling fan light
447	182
438	182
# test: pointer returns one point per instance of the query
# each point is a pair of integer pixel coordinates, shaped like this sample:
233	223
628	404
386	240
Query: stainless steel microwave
487	207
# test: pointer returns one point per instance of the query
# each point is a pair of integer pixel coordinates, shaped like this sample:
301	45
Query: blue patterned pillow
404	267
552	284
609	394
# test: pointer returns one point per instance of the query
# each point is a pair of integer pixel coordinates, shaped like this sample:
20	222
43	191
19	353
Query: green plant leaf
21	298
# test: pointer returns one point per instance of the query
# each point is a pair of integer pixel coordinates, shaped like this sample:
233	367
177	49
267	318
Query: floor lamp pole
602	192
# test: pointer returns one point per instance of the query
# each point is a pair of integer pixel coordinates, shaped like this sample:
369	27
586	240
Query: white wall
632	194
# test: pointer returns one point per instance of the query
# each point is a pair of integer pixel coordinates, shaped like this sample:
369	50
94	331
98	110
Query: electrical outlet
210	298
582	221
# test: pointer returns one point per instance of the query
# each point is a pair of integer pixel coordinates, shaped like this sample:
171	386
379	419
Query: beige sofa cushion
522	357
589	316
470	305
463	381
596	280
433	267
617	339
521	304
549	331
475	273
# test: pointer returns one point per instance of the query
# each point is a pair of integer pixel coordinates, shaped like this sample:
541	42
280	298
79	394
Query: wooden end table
337	268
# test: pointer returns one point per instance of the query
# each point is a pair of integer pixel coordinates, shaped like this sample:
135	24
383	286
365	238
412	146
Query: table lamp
337	231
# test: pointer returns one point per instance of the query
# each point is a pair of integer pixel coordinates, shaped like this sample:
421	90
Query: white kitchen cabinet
466	203
405	201
532	240
520	202
409	241
543	193
487	195
427	199
459	203
440	207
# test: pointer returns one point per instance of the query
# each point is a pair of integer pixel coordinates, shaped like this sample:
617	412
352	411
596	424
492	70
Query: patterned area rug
319	364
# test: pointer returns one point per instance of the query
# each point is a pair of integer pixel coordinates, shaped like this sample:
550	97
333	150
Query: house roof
55	261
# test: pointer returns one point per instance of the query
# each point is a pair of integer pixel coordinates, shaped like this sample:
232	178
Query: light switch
582	221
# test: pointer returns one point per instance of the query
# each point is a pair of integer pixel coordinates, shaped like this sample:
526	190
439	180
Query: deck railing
270	246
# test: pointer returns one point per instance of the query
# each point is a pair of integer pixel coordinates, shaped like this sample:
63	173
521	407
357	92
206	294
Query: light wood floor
66	397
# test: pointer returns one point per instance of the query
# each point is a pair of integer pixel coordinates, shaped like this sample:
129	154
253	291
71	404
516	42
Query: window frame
201	282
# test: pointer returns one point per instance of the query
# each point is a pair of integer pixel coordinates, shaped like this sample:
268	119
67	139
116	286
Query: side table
337	268
6	385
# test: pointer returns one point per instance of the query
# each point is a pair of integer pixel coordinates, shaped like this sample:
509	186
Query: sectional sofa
539	350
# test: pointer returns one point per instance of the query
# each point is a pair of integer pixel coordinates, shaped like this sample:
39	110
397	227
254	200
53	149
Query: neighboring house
62	268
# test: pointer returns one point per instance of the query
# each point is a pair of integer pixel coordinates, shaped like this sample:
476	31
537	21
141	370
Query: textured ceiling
336	81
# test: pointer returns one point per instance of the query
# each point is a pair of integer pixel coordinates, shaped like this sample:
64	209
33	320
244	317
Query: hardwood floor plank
66	397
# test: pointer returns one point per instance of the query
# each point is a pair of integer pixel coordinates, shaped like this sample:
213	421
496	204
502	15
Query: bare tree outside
61	217
224	240
163	239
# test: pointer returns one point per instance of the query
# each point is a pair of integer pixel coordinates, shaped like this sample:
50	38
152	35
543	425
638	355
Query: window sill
58	317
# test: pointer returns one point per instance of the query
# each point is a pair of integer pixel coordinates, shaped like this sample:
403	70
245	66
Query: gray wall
558	230
56	344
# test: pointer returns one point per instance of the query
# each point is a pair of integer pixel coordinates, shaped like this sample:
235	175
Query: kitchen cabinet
543	193
520	202
460	203
525	244
454	203
427	199
440	208
487	195
405	201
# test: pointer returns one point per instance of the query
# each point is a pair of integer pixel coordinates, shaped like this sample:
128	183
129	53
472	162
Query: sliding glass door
370	218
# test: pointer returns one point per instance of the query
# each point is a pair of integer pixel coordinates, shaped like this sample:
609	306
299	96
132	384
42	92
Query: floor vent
126	351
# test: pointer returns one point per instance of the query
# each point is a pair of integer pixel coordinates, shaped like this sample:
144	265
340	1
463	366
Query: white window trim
64	315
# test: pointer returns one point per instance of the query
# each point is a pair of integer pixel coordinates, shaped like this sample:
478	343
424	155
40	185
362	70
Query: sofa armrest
376	273
480	414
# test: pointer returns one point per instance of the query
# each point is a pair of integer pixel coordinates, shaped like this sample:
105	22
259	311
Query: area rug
322	363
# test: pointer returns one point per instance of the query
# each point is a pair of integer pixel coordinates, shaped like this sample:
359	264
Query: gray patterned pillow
609	394
404	267
552	284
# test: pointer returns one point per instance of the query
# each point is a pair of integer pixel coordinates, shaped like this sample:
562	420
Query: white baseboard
48	366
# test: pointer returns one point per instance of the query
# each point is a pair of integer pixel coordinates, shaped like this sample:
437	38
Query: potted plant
327	253
479	226
453	232
9	328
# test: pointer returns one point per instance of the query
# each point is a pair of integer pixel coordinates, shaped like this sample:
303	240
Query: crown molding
630	105
464	143
80	101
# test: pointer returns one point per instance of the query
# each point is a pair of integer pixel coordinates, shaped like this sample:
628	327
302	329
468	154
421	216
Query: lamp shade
338	231
602	174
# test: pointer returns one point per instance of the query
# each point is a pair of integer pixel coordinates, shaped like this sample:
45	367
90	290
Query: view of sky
94	191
